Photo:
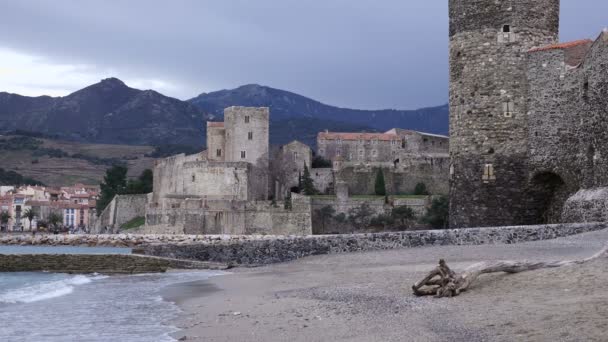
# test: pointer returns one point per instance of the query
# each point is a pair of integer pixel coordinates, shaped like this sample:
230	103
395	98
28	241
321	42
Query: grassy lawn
134	223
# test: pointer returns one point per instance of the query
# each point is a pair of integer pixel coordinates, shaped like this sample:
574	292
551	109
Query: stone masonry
527	115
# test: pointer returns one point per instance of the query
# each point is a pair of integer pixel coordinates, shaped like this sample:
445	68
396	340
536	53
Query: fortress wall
432	171
122	209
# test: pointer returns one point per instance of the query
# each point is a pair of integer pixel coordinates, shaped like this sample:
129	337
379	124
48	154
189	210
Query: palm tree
30	214
4	218
54	219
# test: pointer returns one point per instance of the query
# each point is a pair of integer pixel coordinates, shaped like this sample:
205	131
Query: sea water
63	307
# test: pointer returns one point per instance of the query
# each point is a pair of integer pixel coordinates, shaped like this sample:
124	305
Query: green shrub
420	189
438	214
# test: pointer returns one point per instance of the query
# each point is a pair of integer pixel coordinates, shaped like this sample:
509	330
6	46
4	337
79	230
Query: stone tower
247	135
489	41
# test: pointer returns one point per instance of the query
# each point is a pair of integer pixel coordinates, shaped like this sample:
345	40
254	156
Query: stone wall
323	180
488	116
94	263
399	178
378	206
266	250
122	209
199	216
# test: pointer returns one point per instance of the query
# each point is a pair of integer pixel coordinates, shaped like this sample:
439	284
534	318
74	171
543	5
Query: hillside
285	105
106	112
59	163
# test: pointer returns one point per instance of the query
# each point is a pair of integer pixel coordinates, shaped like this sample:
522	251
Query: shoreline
366	296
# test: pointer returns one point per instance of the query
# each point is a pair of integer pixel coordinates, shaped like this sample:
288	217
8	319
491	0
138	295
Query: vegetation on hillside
13	178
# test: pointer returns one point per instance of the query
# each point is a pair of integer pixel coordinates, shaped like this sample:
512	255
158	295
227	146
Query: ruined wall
488	94
399	179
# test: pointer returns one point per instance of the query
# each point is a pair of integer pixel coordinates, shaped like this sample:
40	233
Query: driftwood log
443	282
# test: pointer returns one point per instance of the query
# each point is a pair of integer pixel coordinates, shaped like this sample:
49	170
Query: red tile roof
358	136
215	124
560	46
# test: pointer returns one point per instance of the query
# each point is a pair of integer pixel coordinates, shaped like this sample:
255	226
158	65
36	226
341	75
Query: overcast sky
351	53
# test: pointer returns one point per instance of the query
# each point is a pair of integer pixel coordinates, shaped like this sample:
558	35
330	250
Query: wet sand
367	297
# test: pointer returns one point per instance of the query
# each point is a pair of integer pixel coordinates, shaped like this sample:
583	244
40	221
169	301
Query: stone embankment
258	249
96	263
267	250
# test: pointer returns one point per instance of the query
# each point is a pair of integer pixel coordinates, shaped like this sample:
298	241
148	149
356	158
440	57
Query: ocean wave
46	290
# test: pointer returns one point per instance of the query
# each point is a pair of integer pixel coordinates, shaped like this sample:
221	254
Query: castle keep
527	116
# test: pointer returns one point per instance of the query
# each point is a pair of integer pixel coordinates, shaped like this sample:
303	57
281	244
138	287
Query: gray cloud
355	53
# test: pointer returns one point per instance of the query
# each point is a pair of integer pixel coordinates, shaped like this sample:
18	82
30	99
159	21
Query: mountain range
112	112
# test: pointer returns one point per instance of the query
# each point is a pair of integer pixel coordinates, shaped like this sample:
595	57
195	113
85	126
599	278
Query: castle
528	124
241	185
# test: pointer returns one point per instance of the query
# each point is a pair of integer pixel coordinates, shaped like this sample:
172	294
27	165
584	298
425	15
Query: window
488	173
250	135
295	156
193	178
506	29
361	153
339	152
508	109
218	152
247	119
374	153
243	154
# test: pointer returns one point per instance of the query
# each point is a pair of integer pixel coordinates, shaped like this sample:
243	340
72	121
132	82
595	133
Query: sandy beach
367	297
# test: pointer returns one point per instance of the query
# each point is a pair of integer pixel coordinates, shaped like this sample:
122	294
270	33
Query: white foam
45	290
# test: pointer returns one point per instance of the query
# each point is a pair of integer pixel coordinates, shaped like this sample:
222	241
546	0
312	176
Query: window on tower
508	109
506	29
243	154
488	173
250	135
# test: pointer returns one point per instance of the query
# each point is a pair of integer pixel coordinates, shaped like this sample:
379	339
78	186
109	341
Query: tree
383	220
308	185
325	214
55	219
319	162
360	216
114	183
4	218
438	214
30	214
142	185
380	184
403	214
420	190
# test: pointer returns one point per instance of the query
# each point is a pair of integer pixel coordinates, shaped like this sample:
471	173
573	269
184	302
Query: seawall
96	263
267	250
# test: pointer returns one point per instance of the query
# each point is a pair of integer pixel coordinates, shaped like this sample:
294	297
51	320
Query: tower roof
563	46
